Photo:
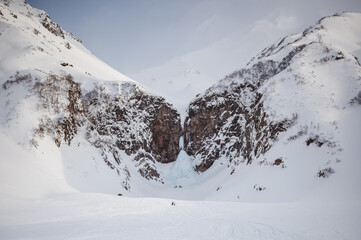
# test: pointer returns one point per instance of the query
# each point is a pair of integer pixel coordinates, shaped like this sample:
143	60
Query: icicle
181	143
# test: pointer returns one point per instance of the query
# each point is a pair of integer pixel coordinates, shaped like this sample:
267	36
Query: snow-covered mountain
287	112
294	110
54	91
251	110
279	137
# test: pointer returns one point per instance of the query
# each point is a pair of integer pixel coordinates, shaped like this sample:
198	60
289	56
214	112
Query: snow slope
39	51
28	47
99	216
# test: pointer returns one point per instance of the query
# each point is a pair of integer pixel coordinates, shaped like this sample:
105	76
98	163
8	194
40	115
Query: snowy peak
339	32
30	39
291	98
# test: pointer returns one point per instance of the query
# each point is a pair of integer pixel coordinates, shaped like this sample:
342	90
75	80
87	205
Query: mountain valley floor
101	216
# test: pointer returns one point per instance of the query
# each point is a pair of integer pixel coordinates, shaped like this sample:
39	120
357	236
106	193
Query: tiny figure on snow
173	204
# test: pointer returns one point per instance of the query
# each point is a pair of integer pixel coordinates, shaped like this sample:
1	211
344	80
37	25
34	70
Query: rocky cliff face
229	119
142	125
116	118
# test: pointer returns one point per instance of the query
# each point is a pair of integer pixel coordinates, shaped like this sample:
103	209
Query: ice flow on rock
182	172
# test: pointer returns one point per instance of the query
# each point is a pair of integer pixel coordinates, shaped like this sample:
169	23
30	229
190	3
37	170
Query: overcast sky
132	35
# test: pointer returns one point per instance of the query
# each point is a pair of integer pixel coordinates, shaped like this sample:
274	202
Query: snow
23	174
99	216
40	200
20	46
71	193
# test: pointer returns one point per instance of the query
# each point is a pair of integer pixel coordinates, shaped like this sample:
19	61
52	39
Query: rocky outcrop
230	129
51	26
136	121
229	120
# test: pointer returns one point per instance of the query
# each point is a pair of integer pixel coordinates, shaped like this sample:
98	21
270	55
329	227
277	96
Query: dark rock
278	162
51	26
309	141
319	142
67	45
325	173
259	188
66	64
356	100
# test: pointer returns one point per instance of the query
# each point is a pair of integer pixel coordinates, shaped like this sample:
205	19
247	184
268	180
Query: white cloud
280	23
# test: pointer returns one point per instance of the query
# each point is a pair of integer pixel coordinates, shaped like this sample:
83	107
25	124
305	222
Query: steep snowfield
69	192
28	47
27	43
